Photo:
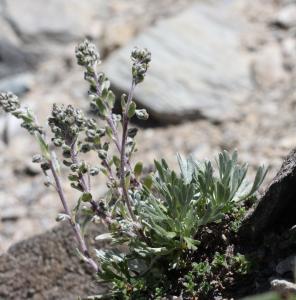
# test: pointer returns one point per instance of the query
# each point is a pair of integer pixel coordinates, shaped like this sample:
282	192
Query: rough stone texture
54	23
197	68
286	17
17	84
268	68
54	19
276	208
14	60
46	267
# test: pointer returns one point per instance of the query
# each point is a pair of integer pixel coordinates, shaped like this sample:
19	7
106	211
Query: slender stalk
76	228
75	161
110	122
86	188
123	161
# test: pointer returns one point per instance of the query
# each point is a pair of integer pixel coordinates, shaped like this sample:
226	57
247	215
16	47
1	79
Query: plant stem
115	138
86	188
75	226
121	148
123	162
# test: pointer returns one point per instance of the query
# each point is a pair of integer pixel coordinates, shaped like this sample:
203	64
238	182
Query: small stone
289	52
30	169
286	265
268	68
17	84
283	286
13	213
286	17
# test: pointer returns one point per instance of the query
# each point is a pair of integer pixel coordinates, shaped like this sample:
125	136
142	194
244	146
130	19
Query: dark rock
46	267
276	208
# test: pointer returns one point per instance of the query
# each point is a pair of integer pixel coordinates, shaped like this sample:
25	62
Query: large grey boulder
198	66
45	267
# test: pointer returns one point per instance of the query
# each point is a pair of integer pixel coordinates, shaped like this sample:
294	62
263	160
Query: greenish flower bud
66	154
57	142
87	54
74	167
45	166
94	171
37	158
66	123
102	154
9	102
142	114
132	132
85	148
82	167
141	59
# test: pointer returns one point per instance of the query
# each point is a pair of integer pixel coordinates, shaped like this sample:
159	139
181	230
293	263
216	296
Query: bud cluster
141	59
87	54
10	104
94	133
66	123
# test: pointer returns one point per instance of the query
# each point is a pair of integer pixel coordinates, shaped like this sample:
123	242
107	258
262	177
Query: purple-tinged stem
123	161
75	226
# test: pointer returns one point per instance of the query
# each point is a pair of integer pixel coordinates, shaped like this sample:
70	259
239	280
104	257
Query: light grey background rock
286	17
198	66
62	21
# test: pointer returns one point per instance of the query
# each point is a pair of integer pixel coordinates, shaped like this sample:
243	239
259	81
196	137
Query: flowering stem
123	161
76	228
110	122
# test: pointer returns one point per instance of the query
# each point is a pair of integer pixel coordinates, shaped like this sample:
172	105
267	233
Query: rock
286	17
12	213
117	35
46	267
289	53
286	265
275	209
7	32
29	193
283	286
17	84
14	60
194	72
57	20
9	127
6	200
268	68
